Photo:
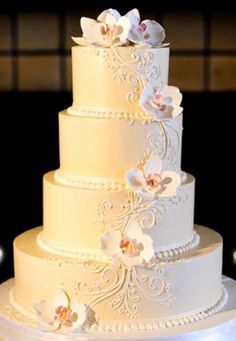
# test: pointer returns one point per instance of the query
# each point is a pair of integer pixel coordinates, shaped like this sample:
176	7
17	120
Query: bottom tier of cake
182	288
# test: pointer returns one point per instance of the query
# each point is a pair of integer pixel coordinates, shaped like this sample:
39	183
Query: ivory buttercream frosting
118	249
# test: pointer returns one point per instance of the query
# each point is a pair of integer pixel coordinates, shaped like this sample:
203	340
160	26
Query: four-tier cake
118	249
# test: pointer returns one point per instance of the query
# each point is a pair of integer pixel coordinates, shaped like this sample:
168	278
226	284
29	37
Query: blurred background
35	83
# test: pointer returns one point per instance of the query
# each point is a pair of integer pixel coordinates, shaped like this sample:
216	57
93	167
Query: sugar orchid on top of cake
111	30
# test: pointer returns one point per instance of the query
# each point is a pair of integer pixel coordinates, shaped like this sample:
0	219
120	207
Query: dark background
29	137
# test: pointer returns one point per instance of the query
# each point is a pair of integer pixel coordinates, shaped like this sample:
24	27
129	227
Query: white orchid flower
147	32
162	104
151	182
110	29
133	247
60	313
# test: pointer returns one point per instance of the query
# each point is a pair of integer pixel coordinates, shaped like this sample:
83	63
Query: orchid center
142	27
110	32
130	247
64	315
157	101
153	180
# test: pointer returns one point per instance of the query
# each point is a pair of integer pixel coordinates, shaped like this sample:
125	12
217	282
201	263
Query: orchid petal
167	100
45	311
134	231
102	16
166	114
171	182
91	30
135	178
148	251
154	165
110	20
125	24
136	37
173	92
61	298
81	310
145	100
164	45
153	35
151	110
147	91
119	43
133	17
110	242
155	31
81	41
176	110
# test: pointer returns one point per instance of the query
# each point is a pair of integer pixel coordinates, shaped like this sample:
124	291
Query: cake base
221	325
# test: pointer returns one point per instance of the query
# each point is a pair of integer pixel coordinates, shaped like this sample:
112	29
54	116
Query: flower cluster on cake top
111	30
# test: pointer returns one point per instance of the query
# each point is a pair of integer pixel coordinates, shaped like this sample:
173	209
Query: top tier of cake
108	84
111	80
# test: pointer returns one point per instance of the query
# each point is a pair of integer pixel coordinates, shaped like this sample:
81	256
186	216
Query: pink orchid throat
153	181
65	316
157	101
130	247
110	31
142	27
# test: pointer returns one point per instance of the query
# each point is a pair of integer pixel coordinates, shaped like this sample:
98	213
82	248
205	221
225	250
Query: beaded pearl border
157	324
180	249
95	113
93	183
127	326
97	254
96	183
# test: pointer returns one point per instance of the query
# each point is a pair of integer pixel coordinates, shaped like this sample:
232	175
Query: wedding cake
118	249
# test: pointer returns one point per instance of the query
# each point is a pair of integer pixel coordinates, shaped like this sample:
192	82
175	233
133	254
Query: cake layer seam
97	183
97	254
125	116
168	322
94	183
128	325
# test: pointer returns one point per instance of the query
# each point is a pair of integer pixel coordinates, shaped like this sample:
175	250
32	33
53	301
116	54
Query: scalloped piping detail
97	254
161	323
97	183
121	115
142	324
